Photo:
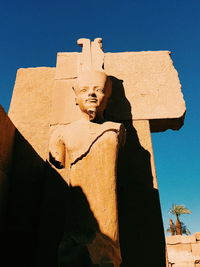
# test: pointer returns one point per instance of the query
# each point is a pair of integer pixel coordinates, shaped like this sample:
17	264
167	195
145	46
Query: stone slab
148	81
180	253
183	250
171	240
176	239
188	239
197	236
30	106
179	248
67	65
196	250
184	264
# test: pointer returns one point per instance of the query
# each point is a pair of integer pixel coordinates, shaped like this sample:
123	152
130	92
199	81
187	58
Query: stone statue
88	150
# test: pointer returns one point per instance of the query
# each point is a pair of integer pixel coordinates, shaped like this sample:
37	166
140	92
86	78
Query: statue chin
92	113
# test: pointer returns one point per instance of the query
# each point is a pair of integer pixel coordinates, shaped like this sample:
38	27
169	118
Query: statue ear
75	94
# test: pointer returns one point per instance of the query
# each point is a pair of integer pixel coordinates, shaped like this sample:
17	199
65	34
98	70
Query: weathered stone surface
183	250
30	106
196	250
197	236
176	239
188	239
180	247
184	264
149	82
171	240
67	65
180	253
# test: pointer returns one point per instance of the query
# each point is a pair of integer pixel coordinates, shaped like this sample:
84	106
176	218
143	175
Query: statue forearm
57	152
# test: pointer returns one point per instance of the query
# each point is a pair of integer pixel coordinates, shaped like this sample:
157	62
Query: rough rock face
184	251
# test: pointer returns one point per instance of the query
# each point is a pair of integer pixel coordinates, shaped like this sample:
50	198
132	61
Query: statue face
92	92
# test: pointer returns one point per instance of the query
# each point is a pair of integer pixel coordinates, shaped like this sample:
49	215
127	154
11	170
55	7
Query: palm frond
179	209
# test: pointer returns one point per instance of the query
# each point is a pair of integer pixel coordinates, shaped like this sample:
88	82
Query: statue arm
57	150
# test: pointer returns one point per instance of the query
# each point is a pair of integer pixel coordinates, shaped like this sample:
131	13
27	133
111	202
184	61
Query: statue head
92	87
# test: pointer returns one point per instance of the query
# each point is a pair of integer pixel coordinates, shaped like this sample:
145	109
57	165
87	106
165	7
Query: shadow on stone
140	221
48	224
36	196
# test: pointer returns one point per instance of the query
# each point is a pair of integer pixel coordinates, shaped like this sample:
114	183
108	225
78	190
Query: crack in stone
88	150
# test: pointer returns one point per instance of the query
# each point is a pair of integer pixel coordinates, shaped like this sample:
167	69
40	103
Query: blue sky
32	32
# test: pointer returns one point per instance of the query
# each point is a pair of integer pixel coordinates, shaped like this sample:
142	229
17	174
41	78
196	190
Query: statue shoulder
119	128
115	125
61	130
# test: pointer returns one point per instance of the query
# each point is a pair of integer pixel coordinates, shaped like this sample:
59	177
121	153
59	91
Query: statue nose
91	92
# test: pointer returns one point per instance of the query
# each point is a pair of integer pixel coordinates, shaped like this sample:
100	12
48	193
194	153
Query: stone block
196	250
30	106
179	248
179	252
176	239
171	240
66	66
197	236
184	264
62	108
150	81
188	239
147	81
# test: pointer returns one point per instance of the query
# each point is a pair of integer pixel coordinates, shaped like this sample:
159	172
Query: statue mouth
91	100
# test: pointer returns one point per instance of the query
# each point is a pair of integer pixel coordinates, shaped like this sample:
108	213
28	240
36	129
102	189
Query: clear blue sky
32	32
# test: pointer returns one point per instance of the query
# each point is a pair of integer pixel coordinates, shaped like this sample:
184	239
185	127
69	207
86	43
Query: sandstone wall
184	251
35	203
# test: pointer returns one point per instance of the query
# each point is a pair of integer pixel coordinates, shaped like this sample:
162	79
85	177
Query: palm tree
185	230
172	228
177	210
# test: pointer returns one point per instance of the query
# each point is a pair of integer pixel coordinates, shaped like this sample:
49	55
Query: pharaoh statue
88	150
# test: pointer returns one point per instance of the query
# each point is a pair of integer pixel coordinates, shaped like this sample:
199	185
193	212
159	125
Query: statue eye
82	90
101	90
